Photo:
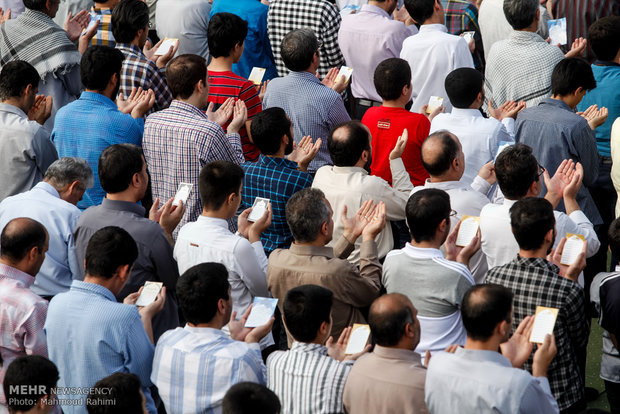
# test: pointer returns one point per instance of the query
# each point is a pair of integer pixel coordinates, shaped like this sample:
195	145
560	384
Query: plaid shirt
322	16
276	179
139	71
462	16
104	36
177	143
22	316
536	282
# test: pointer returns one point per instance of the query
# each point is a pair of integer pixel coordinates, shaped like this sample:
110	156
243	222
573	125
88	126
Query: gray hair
306	211
66	170
520	13
298	48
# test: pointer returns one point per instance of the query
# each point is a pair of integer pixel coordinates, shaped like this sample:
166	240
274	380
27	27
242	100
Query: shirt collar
466	112
526	37
24	280
184	106
422	252
555	102
349	170
369	8
98	98
307	347
312	250
213	221
433	28
445	185
123	206
276	162
78	285
397	353
48	188
483	356
13	109
204	331
509	203
536	262
605	63
131	49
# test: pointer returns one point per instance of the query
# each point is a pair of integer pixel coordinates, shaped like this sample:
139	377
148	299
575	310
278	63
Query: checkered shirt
462	16
276	179
536	282
177	143
139	71
104	36
322	16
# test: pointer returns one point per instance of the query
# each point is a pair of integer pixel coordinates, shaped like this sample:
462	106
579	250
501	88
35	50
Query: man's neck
219	214
110	284
107	95
491	344
318	242
435	19
8	262
433	244
446	177
382	5
213	324
396	103
534	254
193	100
221	64
128	196
567	99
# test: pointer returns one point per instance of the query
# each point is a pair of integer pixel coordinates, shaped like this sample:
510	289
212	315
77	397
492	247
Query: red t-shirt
386	125
224	85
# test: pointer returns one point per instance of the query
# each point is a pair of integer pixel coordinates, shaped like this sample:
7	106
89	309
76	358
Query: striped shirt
462	16
224	85
104	36
307	380
276	179
177	143
194	367
22	316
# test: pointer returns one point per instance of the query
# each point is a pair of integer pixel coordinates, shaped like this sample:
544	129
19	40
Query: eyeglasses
453	213
541	170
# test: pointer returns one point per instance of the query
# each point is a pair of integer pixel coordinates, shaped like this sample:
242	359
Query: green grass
593	367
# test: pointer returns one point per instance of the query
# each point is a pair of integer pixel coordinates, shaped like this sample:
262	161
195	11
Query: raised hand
144	102
5	16
75	24
556	185
262	89
572	187
304	152
336	350
126	105
162	60
41	110
570	272
223	114
508	109
487	172
333	81
434	113
240	116
354	226
577	48
519	348
399	148
543	356
376	223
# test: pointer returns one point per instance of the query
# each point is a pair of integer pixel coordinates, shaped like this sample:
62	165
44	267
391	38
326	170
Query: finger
246	313
233	316
560	248
329	342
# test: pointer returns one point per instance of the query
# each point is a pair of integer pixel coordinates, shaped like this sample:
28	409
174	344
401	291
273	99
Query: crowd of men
344	198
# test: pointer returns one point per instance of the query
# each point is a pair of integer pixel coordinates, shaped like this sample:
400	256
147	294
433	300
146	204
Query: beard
289	146
116	89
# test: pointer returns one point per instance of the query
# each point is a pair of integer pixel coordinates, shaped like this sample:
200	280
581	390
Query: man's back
86	127
307	380
432	54
536	282
194	367
187	21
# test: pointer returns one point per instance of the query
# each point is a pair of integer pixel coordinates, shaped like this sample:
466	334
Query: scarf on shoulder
36	39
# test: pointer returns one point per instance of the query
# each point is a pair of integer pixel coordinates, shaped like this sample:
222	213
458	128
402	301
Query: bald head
483	307
438	152
388	318
19	237
347	142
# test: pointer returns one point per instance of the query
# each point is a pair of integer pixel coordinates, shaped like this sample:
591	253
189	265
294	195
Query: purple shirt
366	39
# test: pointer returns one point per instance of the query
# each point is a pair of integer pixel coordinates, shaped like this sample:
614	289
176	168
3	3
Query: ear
365	155
409	330
33	253
502	328
405	90
325	228
28	90
549	236
221	306
578	92
455	162
230	200
324	328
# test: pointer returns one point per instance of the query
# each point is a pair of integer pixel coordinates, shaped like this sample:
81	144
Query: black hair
250	398
425	210
219	179
388	326
123	388
298	48
267	129
520	14
306	211
463	86
449	151
35	4
483	307
21	235
117	165
108	249
225	31
27	379
390	77
199	290
351	139
613	233
15	77
97	66
516	169
184	72
420	10
128	17
305	308
531	219
604	38
570	74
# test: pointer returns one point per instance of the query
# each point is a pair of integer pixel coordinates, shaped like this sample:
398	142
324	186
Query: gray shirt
25	151
609	285
155	261
186	20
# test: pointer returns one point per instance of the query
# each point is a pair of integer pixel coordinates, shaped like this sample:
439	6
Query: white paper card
557	31
543	323
468	36
262	311
502	146
467	231
257	75
572	248
149	293
357	340
258	209
434	103
346	72
183	193
165	46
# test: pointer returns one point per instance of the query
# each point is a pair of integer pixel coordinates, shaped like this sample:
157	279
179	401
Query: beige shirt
388	380
352	186
327	267
615	158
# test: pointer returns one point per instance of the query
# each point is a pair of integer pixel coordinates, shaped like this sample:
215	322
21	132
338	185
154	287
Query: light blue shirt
86	127
91	336
475	381
60	218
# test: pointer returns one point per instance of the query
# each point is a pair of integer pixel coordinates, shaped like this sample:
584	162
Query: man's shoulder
28	301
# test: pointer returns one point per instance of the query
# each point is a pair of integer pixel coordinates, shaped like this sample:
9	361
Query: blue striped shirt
91	336
276	179
313	108
194	367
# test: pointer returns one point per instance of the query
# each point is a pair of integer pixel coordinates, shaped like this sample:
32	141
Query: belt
366	102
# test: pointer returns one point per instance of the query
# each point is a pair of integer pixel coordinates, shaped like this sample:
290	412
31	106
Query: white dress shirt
478	381
352	186
500	246
432	55
465	200
479	136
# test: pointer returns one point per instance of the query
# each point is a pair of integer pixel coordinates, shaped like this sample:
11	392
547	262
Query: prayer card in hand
262	311
467	231
149	293
544	322
358	339
572	248
183	193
